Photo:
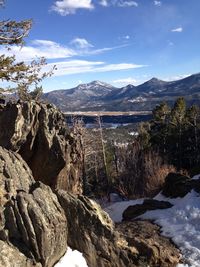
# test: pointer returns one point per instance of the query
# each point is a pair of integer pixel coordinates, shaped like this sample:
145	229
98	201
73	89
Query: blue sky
115	41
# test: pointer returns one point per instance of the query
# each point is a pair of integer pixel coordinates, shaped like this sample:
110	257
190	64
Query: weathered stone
145	236
38	132
31	216
12	257
92	232
134	211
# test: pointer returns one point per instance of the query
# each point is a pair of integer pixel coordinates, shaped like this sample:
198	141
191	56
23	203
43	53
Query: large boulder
31	218
178	185
38	132
92	232
134	211
158	250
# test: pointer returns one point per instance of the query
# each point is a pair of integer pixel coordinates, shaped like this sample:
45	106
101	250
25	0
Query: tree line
169	142
125	168
174	132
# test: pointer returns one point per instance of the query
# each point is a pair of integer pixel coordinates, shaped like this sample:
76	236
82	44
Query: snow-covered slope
181	223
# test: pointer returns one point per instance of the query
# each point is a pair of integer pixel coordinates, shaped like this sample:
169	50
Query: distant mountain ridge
100	96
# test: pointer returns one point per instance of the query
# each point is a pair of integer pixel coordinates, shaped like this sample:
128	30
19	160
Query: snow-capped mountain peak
94	85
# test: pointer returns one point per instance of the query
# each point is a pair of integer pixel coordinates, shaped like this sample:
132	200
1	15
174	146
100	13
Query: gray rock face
31	217
38	132
11	257
92	232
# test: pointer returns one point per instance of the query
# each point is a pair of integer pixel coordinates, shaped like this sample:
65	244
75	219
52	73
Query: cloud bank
67	7
64	57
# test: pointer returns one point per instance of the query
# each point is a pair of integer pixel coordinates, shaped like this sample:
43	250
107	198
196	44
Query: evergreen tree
160	126
175	134
177	124
21	77
144	134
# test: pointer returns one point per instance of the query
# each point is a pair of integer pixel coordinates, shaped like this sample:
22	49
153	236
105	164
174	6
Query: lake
109	121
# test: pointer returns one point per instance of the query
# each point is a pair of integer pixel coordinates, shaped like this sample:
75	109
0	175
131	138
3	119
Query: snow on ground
72	258
181	223
115	210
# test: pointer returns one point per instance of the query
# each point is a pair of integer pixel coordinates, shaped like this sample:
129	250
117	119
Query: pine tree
20	76
160	126
177	123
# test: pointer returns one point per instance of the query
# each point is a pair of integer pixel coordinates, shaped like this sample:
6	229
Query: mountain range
100	96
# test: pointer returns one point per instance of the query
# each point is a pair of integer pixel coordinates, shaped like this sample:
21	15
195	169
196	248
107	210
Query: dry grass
144	174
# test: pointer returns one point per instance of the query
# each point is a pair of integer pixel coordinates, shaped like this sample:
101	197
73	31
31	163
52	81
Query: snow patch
72	258
133	133
181	223
138	99
115	210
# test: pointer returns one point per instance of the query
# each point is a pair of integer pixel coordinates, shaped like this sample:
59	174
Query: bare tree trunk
104	153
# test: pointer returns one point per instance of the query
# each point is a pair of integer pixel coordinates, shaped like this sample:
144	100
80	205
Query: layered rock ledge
38	132
33	224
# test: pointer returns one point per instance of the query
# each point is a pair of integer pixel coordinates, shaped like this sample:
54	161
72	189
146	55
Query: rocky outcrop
36	224
134	211
92	232
38	132
178	185
10	256
158	250
104	244
31	218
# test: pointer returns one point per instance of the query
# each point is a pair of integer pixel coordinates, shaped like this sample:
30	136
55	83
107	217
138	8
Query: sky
115	41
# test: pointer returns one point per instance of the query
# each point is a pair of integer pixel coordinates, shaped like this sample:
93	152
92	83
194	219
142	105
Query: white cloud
57	52
103	3
105	49
81	43
176	77
119	3
84	66
121	66
39	48
53	50
157	3
66	7
179	29
127	4
125	81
